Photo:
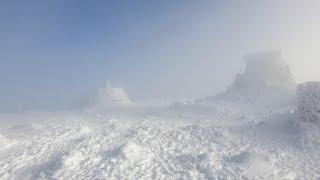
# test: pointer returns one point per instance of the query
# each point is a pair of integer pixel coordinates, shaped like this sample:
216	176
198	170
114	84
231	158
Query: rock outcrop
264	71
267	79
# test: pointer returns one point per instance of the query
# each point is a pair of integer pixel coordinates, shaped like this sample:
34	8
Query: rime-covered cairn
308	95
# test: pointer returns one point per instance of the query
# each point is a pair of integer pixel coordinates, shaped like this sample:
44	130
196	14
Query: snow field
171	143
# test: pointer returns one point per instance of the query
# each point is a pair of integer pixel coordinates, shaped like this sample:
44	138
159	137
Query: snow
189	141
230	136
309	101
170	143
111	97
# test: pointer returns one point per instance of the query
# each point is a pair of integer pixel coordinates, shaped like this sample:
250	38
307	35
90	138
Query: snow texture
178	142
309	101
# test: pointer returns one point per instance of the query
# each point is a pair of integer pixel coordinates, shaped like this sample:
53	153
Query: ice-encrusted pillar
308	97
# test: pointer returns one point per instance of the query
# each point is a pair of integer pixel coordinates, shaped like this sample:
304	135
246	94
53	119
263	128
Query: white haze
192	50
207	49
229	117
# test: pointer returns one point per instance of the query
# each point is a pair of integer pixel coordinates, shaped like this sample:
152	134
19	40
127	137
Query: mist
159	89
58	54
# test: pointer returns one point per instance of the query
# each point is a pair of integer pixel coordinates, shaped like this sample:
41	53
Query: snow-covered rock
267	79
308	95
110	96
263	71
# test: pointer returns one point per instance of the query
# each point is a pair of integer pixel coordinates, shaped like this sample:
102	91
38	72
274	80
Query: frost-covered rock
308	95
265	71
267	79
110	96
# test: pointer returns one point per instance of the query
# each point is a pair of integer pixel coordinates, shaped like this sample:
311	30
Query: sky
56	54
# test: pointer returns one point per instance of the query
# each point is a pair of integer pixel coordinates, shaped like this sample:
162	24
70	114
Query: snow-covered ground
253	130
189	141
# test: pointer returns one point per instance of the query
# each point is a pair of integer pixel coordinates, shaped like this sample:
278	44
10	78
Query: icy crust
308	95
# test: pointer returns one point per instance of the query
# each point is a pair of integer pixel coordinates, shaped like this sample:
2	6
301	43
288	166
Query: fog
57	54
167	89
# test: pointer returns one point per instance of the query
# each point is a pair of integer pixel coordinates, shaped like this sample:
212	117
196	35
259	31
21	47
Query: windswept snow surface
182	141
252	131
308	95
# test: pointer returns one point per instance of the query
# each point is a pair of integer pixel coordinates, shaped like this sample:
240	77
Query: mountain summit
267	79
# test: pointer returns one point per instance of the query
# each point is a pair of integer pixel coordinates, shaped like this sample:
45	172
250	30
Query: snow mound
308	95
73	160
110	96
5	142
267	79
253	164
133	151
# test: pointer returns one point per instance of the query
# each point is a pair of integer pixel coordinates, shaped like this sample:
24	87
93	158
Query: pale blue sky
57	53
